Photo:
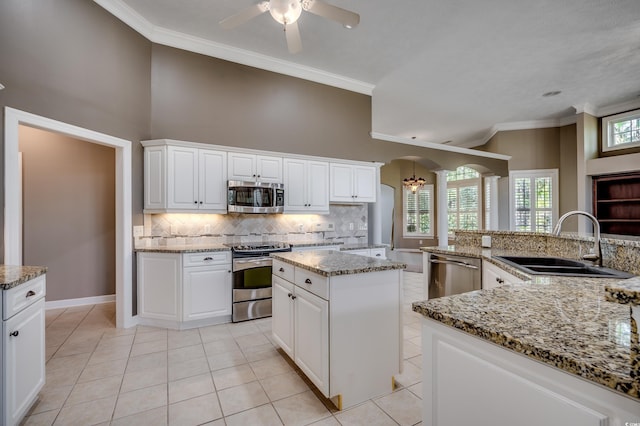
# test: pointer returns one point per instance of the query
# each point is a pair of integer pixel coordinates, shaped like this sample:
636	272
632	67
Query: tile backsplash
349	226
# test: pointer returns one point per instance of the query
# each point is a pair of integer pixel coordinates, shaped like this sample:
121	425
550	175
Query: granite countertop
13	276
566	322
184	248
329	262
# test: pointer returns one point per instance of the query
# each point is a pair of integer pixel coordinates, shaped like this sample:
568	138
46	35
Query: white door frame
13	118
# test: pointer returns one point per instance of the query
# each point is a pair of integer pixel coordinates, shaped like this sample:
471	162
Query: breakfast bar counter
576	325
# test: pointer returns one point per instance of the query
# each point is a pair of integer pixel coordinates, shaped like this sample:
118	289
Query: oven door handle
256	262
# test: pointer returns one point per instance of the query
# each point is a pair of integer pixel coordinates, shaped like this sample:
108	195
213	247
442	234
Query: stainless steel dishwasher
453	275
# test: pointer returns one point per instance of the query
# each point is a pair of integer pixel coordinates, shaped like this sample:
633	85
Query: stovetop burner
264	246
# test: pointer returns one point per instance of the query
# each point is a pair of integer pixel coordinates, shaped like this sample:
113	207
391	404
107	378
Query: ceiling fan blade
294	42
244	15
345	17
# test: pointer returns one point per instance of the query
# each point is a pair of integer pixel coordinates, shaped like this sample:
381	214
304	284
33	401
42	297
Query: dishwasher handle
452	262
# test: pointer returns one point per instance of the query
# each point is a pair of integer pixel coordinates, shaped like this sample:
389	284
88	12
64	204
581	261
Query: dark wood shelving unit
616	203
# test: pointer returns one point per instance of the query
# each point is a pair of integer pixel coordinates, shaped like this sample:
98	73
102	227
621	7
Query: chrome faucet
595	255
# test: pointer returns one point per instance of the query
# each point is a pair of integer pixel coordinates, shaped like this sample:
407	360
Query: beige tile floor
229	374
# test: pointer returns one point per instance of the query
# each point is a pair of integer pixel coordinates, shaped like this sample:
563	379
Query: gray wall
72	61
551	148
69	213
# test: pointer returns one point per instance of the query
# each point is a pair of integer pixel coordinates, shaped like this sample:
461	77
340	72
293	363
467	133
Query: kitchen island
549	350
338	316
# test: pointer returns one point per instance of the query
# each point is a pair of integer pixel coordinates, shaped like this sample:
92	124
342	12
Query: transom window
418	212
534	200
621	131
464	199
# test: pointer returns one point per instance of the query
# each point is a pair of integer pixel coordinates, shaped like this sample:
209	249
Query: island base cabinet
282	323
23	367
467	380
349	342
311	331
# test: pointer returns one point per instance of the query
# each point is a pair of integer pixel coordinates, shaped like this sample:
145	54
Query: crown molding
586	108
618	108
183	41
439	147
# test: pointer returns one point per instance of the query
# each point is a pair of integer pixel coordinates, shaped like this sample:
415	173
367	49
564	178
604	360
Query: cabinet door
341	183
154	178
212	180
282	314
318	186
311	337
159	283
364	183
378	253
206	292
269	169
24	363
182	178
242	166
295	185
493	276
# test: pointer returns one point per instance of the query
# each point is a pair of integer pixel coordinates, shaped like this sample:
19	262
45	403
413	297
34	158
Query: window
621	131
418	212
534	200
463	199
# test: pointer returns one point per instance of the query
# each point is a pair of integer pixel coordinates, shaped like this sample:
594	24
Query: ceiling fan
287	12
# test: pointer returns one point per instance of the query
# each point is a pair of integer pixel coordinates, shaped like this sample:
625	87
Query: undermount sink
560	266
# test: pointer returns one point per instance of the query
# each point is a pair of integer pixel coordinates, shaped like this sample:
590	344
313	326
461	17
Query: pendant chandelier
413	183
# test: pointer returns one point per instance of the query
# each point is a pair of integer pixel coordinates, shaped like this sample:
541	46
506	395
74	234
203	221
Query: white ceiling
439	70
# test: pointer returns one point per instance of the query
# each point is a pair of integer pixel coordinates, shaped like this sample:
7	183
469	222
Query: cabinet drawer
206	258
314	283
283	270
18	298
378	253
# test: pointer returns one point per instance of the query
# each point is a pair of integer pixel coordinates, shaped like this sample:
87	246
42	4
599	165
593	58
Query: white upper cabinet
184	179
251	167
306	186
353	183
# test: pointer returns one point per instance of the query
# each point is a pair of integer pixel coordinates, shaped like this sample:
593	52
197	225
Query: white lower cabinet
23	350
311	337
206	293
326	326
184	290
493	276
469	381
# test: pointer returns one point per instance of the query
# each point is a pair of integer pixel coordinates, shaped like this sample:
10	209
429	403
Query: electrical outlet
330	227
174	230
300	227
351	226
138	231
207	229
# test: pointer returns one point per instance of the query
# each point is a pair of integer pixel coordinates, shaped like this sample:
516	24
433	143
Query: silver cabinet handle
30	293
293	297
14	334
208	258
308	281
499	280
281	269
378	255
449	262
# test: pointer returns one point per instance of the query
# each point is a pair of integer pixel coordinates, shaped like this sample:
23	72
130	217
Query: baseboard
82	301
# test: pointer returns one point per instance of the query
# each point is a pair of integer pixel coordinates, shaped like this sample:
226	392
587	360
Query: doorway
12	221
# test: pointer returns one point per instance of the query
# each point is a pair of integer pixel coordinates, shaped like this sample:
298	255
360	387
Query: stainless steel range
252	279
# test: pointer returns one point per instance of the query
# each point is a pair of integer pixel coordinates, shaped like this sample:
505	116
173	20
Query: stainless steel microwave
255	197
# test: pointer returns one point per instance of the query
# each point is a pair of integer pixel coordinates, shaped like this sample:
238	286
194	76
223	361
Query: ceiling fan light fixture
285	11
